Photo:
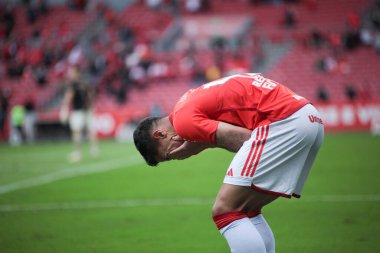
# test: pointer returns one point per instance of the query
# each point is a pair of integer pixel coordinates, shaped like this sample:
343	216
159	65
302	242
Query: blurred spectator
193	6
213	73
198	76
126	35
219	49
3	113
290	19
76	56
39	75
316	39
17	121
48	57
15	68
121	93
366	36
190	66
77	4
327	64
96	66
353	21
153	4
322	94
375	16
36	39
8	21
139	63
351	92
351	39
31	13
188	60
158	70
334	63
30	121
335	41
146	56
42	7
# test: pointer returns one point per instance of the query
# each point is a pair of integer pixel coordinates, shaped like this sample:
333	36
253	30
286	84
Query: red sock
253	213
224	219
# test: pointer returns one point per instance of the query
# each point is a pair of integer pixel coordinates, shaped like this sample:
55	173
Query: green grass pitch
115	203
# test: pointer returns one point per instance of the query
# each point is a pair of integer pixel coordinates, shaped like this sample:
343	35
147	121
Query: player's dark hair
144	141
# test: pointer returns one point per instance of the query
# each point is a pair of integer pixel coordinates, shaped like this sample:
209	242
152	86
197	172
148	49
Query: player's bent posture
275	133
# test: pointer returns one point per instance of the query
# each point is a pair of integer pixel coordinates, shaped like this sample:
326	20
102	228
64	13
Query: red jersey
247	100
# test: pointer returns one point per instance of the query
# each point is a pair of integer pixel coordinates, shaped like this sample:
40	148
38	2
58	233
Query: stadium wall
336	117
343	117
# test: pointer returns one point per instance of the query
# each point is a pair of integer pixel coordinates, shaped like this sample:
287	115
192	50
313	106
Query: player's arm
68	97
231	137
228	136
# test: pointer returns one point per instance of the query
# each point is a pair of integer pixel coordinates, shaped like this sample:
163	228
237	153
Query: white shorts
80	119
278	157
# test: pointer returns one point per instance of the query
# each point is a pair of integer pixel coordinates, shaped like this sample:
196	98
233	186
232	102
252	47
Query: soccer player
275	133
79	97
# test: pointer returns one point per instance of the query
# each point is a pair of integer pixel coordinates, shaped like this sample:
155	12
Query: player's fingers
178	153
175	155
177	138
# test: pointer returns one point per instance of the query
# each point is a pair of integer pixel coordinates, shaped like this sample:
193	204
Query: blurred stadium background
140	57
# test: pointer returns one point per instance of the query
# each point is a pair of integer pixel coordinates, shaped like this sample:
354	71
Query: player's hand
187	149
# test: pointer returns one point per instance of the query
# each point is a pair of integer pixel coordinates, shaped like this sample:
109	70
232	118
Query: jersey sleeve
195	126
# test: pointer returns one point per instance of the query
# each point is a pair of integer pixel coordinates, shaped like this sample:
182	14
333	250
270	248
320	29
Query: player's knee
220	208
223	220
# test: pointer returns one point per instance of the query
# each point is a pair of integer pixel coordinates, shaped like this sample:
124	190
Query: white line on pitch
70	173
99	204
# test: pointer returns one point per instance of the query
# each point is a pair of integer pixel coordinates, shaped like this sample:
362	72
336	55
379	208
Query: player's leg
309	161
287	152
232	209
265	231
91	132
243	237
240	198
76	154
76	127
236	200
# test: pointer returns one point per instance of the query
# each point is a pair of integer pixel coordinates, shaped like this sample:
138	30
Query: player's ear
159	134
